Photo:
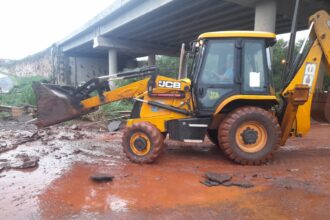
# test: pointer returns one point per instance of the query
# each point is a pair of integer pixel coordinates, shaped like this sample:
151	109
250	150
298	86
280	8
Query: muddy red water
295	185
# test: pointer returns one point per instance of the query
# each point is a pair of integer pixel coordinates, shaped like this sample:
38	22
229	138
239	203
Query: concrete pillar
151	60
265	16
112	59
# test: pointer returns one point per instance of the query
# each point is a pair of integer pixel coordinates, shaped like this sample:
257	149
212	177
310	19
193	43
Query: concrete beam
245	3
265	16
147	23
182	22
135	46
88	32
210	26
141	9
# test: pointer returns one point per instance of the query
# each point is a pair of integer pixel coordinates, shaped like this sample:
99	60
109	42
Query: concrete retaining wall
86	68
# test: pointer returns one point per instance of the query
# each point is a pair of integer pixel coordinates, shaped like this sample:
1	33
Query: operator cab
230	63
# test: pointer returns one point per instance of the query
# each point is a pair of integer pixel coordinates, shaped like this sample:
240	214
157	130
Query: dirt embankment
57	185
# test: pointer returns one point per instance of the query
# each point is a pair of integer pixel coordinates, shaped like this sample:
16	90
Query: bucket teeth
55	105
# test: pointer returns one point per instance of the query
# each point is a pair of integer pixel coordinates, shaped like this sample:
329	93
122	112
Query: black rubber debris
208	182
102	177
219	179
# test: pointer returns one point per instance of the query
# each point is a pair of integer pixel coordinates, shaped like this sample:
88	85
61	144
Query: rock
218	177
102	177
42	133
27	134
293	170
3	144
267	176
2	167
76	151
22	156
78	136
27	162
74	127
62	137
114	126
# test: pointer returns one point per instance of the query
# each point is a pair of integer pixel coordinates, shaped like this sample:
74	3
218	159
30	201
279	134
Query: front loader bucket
321	106
55	105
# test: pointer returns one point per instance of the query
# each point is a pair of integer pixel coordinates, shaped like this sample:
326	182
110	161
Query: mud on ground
46	175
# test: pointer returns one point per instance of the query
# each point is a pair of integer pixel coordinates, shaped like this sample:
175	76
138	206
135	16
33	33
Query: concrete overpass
135	28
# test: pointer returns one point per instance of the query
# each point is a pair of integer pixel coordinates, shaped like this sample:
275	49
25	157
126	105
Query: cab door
255	68
217	75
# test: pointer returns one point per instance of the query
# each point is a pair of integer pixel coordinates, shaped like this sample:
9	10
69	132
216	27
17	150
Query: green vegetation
22	93
279	53
112	109
168	66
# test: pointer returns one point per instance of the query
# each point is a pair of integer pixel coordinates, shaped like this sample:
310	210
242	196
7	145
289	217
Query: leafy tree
168	66
279	54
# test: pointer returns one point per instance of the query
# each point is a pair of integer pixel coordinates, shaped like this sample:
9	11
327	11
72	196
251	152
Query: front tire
249	135
143	142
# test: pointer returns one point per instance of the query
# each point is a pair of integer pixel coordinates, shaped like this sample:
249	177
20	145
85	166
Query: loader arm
125	92
299	91
57	104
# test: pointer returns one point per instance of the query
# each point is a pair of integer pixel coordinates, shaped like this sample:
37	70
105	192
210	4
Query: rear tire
249	135
143	142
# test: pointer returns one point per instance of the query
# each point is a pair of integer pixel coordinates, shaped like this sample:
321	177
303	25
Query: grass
109	111
4	115
22	93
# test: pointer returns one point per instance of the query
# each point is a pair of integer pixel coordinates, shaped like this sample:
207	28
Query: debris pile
22	161
12	138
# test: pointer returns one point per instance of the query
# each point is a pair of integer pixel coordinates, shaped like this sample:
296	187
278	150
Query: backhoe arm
297	113
321	21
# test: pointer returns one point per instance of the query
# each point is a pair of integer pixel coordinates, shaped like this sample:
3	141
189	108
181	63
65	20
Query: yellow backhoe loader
227	95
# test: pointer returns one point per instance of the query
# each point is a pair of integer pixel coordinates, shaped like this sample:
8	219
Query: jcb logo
169	84
310	70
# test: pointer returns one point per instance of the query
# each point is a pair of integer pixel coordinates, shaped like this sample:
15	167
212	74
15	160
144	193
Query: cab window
218	64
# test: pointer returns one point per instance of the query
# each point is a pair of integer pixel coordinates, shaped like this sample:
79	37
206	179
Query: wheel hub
140	143
249	136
